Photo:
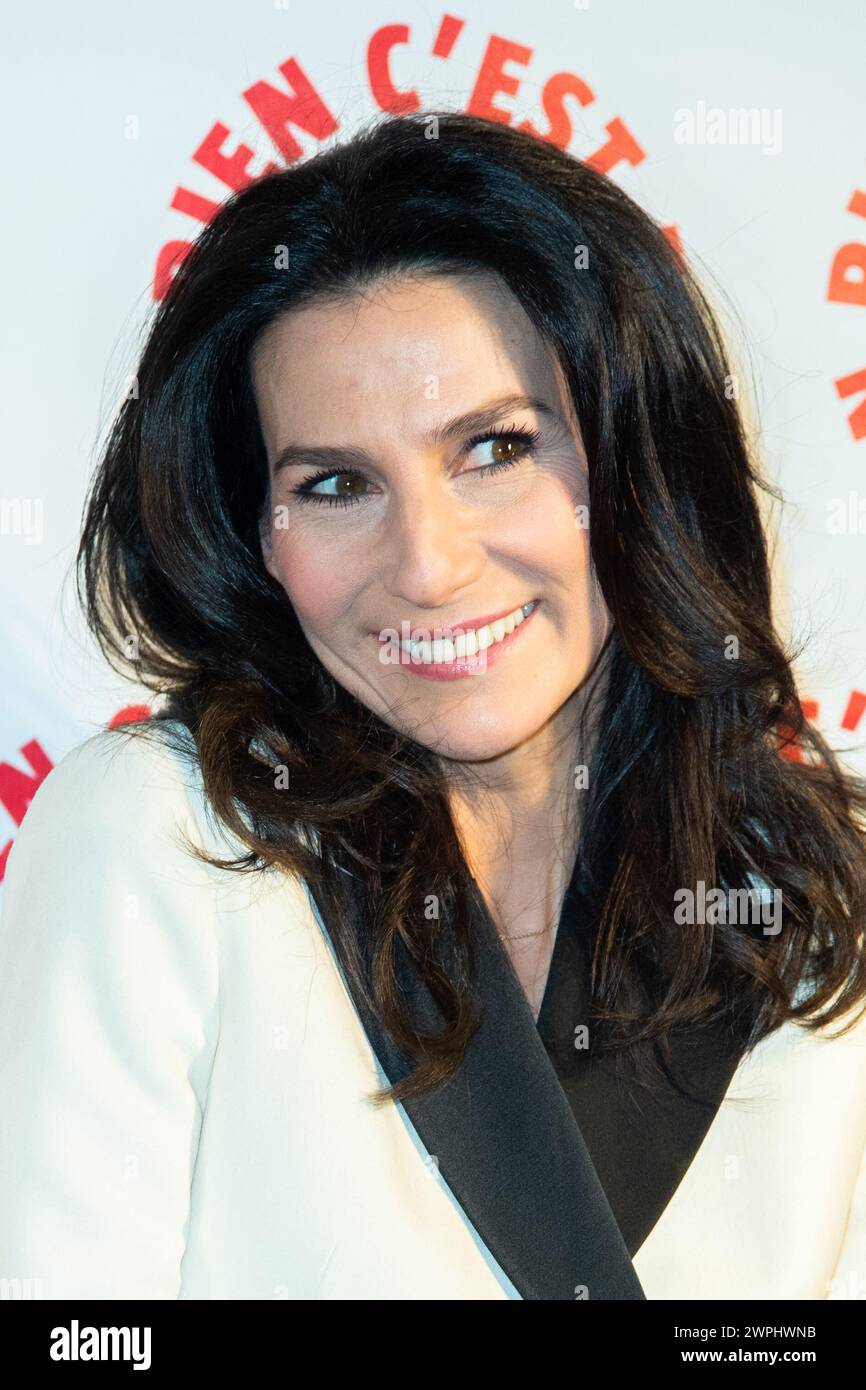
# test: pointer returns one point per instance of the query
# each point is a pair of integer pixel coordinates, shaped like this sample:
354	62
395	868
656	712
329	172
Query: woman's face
428	521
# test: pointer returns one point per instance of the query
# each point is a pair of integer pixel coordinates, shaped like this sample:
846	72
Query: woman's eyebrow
472	422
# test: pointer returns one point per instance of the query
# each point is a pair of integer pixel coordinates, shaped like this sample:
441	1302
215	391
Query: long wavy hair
688	779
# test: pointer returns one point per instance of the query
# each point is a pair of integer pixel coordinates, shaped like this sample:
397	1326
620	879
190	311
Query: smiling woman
434	521
435	398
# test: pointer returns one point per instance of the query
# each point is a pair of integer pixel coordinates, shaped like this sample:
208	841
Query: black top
560	1162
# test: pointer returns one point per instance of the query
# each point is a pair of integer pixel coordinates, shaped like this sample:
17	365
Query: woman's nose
434	548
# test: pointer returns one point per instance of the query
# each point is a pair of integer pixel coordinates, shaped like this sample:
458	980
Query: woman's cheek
319	589
546	526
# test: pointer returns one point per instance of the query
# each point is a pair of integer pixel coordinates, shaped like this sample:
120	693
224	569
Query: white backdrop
122	124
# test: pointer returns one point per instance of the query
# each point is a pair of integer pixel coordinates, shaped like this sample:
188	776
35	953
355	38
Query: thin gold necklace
523	935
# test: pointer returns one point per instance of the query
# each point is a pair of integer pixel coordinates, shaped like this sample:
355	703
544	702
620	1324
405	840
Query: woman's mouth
455	652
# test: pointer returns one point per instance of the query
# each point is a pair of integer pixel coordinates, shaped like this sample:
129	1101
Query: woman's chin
475	744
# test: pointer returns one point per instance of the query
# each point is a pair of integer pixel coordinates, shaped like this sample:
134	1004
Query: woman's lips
463	666
473	624
457	625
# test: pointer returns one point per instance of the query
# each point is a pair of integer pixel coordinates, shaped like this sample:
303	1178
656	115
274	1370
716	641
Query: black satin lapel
508	1145
641	1143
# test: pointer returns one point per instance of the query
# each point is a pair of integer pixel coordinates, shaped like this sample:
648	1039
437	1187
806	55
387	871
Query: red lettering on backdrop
493	79
184	200
847	386
304	108
17	788
167	262
193	204
673	235
553	94
449	31
276	110
129	714
843	288
854	710
173	252
621	145
848	286
790	747
385	94
230	169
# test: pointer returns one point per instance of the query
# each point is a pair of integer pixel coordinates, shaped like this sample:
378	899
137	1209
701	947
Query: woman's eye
506	448
344	488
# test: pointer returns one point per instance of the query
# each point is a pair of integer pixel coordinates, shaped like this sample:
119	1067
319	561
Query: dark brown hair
686	782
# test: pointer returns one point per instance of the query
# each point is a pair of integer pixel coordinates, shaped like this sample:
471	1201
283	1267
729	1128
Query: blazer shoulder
109	1022
124	787
105	767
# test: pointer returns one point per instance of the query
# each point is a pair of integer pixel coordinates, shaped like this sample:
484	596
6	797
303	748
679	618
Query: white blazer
182	1082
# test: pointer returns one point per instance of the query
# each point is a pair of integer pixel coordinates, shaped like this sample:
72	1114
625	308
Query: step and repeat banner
741	128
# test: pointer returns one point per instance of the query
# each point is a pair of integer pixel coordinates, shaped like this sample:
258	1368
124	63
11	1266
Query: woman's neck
518	818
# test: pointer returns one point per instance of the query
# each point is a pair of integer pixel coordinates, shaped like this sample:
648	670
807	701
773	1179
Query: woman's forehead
406	354
437	307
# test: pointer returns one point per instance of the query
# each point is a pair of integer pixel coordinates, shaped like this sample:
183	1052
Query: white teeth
426	652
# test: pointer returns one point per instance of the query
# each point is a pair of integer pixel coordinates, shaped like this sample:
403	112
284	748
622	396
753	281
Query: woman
459	930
